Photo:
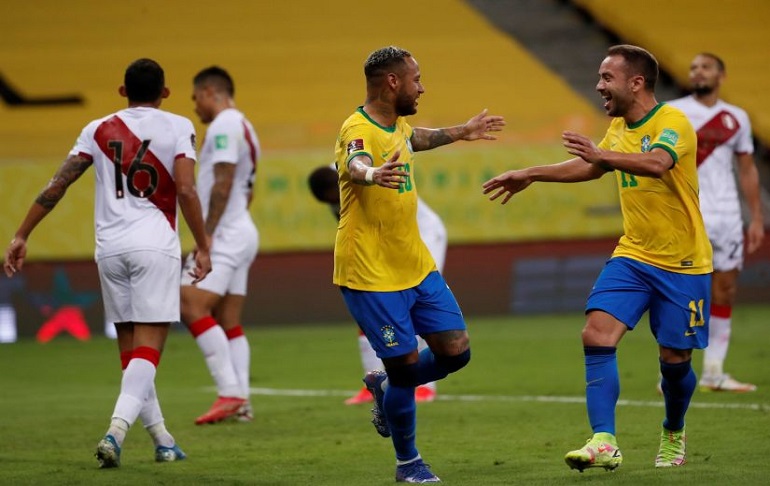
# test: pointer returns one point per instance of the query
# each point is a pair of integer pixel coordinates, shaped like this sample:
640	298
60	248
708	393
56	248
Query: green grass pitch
508	418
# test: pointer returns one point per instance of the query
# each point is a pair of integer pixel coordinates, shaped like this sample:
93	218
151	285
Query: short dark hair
383	60
719	61
321	180
144	81
639	61
217	77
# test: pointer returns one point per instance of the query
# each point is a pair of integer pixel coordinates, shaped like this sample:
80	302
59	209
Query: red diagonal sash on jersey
164	196
252	152
715	132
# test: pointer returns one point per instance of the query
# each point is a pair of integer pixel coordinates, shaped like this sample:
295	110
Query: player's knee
454	363
403	375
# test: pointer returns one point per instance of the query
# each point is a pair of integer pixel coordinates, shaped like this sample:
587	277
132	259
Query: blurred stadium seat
675	31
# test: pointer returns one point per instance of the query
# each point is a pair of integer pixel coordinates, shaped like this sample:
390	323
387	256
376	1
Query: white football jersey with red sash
723	130
133	153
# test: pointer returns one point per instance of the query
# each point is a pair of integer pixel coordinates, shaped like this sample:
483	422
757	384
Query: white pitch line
515	398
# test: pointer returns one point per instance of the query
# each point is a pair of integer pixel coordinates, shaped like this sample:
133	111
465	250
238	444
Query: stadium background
298	72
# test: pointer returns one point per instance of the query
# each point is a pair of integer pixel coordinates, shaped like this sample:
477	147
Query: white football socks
216	351
240	354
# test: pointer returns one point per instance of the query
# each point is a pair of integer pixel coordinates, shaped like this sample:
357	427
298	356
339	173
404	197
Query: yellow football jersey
662	222
378	245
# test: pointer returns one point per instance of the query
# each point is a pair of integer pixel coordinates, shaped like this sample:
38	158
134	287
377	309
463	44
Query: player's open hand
391	174
754	236
581	146
202	265
14	256
480	125
506	185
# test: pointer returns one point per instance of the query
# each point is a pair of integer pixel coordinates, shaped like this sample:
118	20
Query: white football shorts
232	253
726	235
140	286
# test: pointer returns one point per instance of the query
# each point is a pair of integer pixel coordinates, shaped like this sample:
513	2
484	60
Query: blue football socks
678	386
602	387
401	410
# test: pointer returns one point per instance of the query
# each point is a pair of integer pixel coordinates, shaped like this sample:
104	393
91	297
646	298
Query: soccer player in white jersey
324	186
724	136
212	308
144	161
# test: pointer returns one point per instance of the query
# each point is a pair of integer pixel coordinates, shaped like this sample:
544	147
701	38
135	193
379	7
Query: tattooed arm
224	174
70	170
476	128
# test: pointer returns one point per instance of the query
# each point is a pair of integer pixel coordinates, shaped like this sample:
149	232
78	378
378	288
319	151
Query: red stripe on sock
202	325
125	357
145	352
235	332
724	311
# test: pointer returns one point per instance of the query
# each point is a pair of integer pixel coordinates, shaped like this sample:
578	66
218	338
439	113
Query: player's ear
637	83
392	79
165	93
122	91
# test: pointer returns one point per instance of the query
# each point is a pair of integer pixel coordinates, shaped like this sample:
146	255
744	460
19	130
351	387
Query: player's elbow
660	163
185	192
658	170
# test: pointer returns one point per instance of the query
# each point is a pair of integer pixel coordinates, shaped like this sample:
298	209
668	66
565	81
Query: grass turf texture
508	418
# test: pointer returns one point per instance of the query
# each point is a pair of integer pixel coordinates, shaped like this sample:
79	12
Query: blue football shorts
678	303
391	320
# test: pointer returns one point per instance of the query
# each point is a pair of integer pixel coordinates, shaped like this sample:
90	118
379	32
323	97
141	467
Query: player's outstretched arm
477	128
70	170
391	174
187	196
513	181
654	163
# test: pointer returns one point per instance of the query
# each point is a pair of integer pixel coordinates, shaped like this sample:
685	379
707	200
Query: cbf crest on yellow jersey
378	245
662	222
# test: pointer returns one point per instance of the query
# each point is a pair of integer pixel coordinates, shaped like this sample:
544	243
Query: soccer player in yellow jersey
662	263
387	276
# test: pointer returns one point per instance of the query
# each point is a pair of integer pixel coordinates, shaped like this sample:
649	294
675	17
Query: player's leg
600	337
116	295
138	379
239	249
436	316
438	319
141	296
425	392
723	291
726	235
617	301
385	319
228	314
678	385
679	320
197	308
151	415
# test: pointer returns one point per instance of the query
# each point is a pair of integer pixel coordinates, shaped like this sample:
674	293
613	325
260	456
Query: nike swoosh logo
690	333
592	382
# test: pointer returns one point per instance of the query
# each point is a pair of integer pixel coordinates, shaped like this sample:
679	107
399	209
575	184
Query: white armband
369	177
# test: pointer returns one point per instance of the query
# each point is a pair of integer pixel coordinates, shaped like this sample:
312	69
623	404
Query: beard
702	90
405	105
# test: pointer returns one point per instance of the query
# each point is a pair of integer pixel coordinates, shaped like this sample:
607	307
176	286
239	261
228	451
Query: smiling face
409	88
705	75
615	86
